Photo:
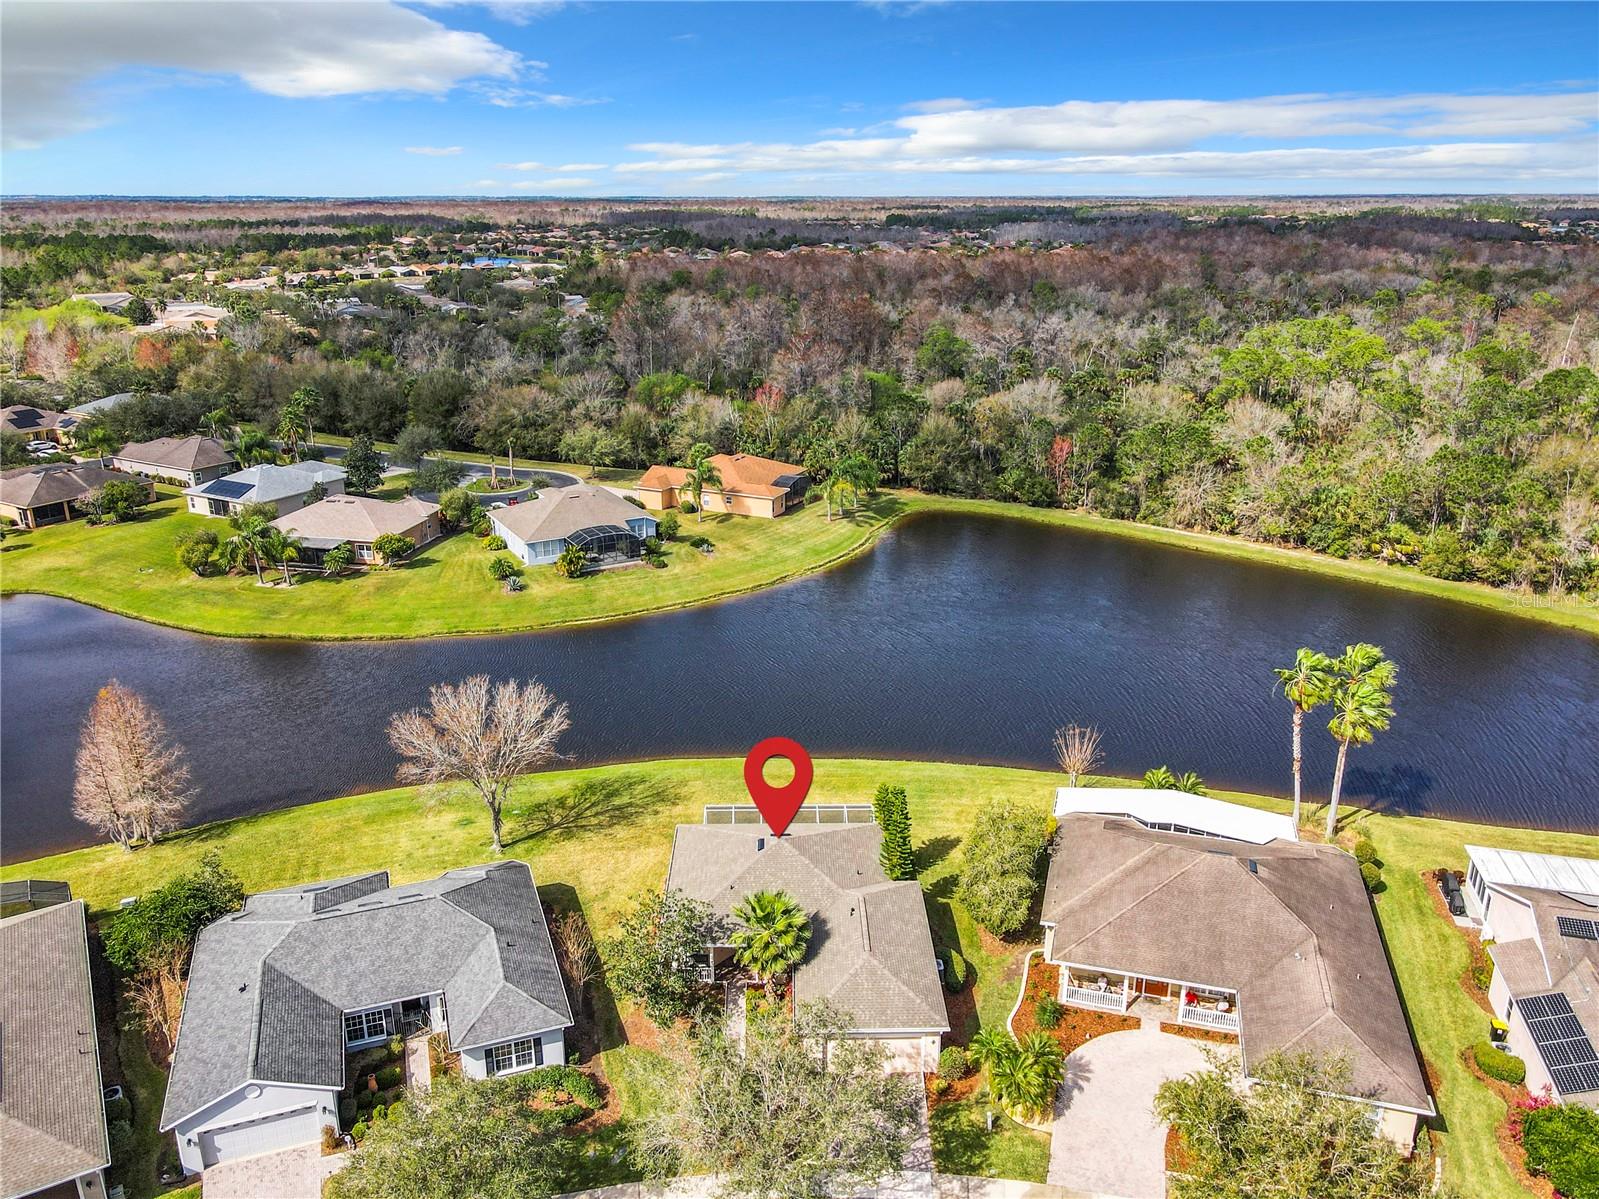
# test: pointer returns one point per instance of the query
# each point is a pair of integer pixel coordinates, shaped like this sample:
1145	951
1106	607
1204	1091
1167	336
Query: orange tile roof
742	474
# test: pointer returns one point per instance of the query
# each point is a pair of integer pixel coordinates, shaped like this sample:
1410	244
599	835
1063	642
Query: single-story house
750	486
282	991
32	496
1542	913
284	486
103	404
871	953
186	461
1273	942
53	1139
358	521
108	301
186	316
600	522
38	424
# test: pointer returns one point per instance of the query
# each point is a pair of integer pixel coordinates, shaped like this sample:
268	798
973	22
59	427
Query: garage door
260	1135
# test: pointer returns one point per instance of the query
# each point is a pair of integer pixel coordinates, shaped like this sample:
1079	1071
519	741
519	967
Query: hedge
953	1063
1496	1063
1562	1143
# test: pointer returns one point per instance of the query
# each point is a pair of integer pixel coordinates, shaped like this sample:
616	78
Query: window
516	1055
366	1026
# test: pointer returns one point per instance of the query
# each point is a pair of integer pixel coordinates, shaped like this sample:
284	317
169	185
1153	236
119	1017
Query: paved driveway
1106	1138
295	1173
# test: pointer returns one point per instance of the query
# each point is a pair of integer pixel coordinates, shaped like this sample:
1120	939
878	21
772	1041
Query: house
284	486
599	522
358	521
750	486
186	461
186	316
871	953
1542	913
38	424
53	1139
32	496
1274	942
108	301
103	404
282	990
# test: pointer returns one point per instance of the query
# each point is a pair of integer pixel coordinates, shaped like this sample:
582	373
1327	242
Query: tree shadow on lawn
594	805
933	851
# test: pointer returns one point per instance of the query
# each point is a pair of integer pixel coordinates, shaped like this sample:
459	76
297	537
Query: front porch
1171	1001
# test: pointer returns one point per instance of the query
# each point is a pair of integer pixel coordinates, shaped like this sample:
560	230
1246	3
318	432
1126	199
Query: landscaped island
607	836
446	588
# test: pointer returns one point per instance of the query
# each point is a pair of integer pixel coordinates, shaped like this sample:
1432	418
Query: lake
956	638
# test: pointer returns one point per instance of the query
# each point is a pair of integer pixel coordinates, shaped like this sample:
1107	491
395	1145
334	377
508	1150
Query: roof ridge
1125	867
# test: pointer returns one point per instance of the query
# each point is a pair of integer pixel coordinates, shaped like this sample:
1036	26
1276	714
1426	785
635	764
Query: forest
1412	387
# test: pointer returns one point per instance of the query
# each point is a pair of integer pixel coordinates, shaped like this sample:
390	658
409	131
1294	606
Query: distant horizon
912	98
803	197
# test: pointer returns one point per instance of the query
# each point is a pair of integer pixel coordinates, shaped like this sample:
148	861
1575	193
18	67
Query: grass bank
446	589
617	839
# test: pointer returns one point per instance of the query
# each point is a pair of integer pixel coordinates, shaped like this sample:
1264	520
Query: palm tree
1160	779
101	441
251	537
702	473
837	487
1190	782
774	936
1362	707
251	446
216	421
1307	684
989	1045
281	548
1024	1075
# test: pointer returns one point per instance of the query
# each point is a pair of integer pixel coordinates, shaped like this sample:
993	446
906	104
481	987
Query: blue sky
525	99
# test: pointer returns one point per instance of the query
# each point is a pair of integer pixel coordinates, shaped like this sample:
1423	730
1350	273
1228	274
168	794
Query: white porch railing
1112	1000
1206	1017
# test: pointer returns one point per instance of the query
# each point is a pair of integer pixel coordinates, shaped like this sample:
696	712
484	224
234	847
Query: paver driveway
1106	1138
296	1173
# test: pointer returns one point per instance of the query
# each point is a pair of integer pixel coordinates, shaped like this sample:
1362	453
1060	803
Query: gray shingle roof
269	483
1288	926
52	1121
269	984
561	511
871	954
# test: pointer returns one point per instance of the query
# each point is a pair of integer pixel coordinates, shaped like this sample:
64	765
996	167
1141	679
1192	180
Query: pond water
957	638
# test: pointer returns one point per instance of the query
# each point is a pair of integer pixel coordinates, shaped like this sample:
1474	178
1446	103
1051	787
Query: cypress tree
893	814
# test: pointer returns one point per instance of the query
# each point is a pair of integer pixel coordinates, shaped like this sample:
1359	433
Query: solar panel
1555	1028
1573	1080
228	490
27	418
1576	926
1535	1007
1568	1053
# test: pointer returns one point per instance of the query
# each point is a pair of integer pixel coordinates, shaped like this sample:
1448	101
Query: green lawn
446	589
625	843
963	1144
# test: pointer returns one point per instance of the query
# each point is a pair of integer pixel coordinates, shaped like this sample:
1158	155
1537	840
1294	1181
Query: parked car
42	447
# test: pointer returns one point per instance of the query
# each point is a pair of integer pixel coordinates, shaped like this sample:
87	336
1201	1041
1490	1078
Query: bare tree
1077	751
574	946
481	736
131	783
156	992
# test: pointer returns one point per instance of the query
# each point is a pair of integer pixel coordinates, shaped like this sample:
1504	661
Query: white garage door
260	1135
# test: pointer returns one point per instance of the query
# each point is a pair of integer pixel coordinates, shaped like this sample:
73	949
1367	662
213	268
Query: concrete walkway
1106	1138
418	1065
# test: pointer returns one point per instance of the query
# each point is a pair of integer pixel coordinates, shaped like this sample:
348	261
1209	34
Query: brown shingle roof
52	1121
55	483
871	954
355	518
178	453
1288	926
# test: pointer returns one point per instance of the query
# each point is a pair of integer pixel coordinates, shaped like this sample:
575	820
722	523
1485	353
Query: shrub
390	1076
954	1064
393	547
330	1138
503	566
380	1112
395	1105
954	969
481	525
658	561
1000	865
701	542
634	500
359	1131
494	542
571	563
938	1084
396	1048
515	583
687	506
1365	852
1370	875
666	527
120	1134
346	1111
118	1109
1049	1012
1562	1144
1496	1063
365	1101
652	545
458	507
172	915
196	548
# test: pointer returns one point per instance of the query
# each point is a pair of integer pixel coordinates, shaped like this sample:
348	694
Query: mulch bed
1506	1132
1479	955
1077	1026
1200	1034
959	1089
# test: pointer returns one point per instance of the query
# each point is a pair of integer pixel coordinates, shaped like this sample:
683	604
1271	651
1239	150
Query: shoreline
1575	615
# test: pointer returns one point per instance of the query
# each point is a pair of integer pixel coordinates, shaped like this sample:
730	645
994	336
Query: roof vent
760	844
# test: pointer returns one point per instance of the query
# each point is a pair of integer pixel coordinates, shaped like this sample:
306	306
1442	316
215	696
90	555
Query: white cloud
520	166
521	97
52	54
948	104
515	12
577	167
434	151
563	183
1194	138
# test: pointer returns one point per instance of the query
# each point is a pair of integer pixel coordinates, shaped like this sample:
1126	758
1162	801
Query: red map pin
777	805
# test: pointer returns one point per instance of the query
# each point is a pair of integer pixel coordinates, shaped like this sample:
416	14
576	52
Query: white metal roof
1548	871
1214	816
